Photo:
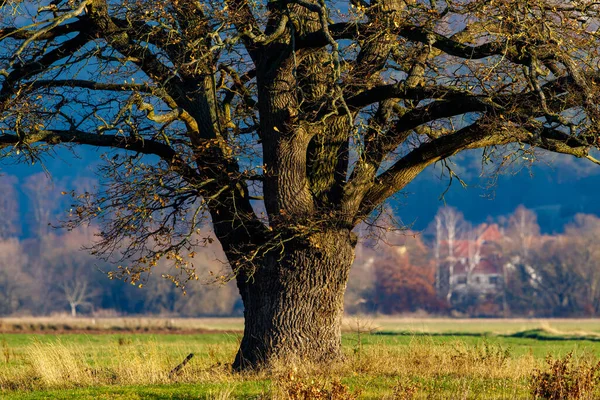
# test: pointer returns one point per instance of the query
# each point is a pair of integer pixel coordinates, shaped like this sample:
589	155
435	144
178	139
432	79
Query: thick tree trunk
294	302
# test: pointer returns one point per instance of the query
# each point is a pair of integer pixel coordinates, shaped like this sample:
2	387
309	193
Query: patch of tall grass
64	365
423	368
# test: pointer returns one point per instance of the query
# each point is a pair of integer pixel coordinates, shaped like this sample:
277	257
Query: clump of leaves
124	341
405	390
565	380
488	354
299	389
493	354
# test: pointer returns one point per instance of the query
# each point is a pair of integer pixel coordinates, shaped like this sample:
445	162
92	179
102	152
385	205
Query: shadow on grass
428	334
537	334
543	334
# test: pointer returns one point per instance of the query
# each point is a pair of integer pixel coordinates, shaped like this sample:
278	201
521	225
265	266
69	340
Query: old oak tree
314	111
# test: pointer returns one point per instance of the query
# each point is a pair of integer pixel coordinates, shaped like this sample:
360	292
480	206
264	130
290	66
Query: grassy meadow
386	358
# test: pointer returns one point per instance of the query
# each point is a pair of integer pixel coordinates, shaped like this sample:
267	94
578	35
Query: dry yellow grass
64	365
129	362
422	369
56	365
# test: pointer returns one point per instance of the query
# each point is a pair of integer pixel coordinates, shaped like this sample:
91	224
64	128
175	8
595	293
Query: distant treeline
46	270
502	268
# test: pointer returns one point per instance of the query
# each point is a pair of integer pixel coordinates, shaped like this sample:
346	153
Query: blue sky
557	188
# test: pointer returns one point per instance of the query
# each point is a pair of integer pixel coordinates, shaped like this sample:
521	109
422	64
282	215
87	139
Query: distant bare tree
438	237
437	242
78	293
9	207
559	288
360	286
522	275
522	230
13	281
471	235
451	221
65	269
452	225
44	199
583	235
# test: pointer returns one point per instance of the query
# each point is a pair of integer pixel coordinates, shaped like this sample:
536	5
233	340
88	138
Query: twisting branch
151	115
138	145
44	31
49	34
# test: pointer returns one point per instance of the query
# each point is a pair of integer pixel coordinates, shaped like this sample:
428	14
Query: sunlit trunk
294	302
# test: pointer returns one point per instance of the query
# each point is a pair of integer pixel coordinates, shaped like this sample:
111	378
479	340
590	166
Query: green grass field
386	358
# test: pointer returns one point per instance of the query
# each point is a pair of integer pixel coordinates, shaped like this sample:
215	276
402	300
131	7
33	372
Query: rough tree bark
293	304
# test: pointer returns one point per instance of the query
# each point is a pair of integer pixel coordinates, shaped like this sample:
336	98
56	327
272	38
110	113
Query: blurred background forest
502	265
